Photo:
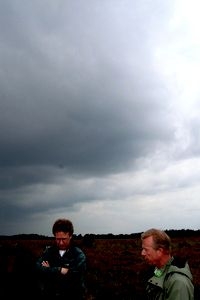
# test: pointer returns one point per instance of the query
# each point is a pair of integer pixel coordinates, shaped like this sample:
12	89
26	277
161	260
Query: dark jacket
55	284
174	284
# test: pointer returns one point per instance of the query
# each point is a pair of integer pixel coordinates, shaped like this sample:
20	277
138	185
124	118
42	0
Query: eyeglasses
62	239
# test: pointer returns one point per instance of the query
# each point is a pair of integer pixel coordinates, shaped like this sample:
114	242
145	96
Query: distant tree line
172	233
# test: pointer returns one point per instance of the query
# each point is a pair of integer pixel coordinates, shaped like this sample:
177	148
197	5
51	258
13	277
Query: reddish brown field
115	266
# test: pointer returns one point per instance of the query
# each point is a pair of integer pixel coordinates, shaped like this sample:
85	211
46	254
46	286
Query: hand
45	264
64	271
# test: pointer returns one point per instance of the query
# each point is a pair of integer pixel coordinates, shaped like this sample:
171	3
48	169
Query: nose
143	252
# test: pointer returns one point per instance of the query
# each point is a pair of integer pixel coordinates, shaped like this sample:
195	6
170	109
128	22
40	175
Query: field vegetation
115	268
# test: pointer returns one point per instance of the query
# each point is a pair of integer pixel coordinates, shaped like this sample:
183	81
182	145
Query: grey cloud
81	97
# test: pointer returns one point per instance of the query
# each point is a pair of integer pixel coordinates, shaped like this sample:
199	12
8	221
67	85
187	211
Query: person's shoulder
50	249
179	266
77	250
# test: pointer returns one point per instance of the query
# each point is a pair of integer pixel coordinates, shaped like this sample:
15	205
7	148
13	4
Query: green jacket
175	283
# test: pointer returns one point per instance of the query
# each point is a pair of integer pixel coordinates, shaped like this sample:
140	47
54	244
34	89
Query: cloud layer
99	115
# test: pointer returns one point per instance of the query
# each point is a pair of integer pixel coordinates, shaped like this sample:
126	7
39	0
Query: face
151	255
62	240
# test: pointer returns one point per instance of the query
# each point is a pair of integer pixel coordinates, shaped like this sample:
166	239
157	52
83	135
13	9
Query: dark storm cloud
59	110
81	99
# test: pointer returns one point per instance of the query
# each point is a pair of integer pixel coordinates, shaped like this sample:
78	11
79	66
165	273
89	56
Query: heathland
115	268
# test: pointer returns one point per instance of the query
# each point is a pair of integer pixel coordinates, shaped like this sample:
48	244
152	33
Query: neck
163	261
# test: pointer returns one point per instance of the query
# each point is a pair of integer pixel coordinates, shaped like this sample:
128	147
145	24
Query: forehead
148	241
62	234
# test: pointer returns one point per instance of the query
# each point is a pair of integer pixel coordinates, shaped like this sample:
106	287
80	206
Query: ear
160	250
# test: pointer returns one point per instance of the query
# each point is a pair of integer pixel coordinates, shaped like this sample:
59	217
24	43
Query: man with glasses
62	266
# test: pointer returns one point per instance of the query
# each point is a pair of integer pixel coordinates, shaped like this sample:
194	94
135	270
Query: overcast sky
99	115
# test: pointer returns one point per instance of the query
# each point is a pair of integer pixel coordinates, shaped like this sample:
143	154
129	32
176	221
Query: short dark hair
64	225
